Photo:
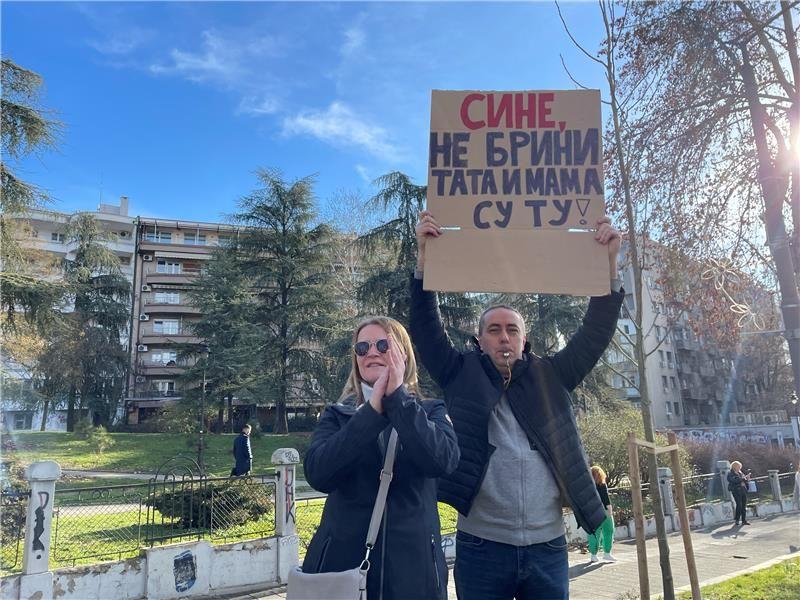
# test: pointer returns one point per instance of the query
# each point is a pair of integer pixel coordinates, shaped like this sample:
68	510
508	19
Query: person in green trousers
604	533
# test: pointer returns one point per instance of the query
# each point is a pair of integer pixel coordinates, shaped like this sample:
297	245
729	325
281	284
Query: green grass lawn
145	452
778	582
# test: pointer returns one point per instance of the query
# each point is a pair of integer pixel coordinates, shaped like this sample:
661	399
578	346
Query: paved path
720	551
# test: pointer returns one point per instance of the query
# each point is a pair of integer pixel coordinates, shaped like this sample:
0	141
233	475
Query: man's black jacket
538	395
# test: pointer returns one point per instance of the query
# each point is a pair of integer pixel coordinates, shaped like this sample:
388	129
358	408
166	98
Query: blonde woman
604	533
345	458
737	486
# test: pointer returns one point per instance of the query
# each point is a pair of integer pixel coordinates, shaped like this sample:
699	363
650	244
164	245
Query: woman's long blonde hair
598	474
398	333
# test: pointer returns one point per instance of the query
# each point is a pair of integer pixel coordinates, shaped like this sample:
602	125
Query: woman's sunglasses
362	348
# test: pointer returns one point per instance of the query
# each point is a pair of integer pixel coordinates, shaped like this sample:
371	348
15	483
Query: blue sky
176	104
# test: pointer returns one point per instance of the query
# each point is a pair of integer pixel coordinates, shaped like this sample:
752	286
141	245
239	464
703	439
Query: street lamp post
796	420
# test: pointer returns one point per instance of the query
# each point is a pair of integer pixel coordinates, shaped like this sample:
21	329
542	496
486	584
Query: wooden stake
683	514
638	516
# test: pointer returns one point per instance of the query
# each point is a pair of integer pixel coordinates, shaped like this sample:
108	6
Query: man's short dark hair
482	320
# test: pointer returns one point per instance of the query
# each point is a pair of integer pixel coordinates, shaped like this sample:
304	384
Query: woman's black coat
345	459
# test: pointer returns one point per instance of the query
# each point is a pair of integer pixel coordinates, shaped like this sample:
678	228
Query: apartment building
662	365
45	232
169	257
692	383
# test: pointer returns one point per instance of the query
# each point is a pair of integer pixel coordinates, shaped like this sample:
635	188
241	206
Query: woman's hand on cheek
379	391
397	368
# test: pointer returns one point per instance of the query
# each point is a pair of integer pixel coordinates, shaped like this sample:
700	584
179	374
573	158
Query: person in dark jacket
737	486
242	453
345	458
520	448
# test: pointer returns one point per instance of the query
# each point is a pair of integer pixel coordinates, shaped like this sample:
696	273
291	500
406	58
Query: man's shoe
745	522
608	557
736	523
594	558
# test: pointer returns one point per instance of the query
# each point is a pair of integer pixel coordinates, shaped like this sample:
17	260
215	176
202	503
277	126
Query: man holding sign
521	452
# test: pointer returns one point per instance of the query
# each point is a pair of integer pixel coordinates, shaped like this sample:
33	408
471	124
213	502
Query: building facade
170	255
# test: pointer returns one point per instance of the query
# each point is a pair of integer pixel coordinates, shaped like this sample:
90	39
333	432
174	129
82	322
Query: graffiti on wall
184	568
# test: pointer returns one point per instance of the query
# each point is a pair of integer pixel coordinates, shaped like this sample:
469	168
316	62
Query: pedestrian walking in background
737	485
605	533
242	453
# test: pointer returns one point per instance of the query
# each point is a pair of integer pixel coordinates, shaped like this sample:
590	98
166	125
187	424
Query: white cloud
339	125
353	40
362	172
258	105
219	60
123	41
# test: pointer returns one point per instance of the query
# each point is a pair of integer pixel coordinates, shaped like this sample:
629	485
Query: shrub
12	517
82	428
605	439
224	504
758	457
99	439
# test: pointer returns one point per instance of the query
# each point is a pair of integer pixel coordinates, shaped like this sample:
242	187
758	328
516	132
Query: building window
664	383
658	332
673	383
164	387
168	298
626	329
669	359
159	237
164	357
668	407
167	326
165	266
194	239
661	358
57	237
677	408
23	420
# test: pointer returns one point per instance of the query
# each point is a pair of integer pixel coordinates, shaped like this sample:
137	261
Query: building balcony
153	277
201	250
684	344
166	339
154	369
707	371
692	393
162	308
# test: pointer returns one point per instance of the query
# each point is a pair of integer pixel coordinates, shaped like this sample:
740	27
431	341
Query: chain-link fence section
13	506
114	522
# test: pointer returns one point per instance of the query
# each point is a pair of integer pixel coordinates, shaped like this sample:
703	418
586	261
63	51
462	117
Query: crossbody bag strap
383	490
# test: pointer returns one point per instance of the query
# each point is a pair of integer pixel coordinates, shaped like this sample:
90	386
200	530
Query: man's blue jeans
488	570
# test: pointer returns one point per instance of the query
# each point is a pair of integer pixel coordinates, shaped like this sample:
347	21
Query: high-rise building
169	257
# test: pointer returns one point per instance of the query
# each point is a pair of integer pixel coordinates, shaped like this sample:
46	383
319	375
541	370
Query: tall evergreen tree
228	360
101	295
386	289
25	128
285	257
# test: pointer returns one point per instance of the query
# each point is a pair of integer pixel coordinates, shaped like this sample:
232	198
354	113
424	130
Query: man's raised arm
427	331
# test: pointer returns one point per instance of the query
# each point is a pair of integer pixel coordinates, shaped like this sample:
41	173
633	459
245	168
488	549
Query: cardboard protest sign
516	180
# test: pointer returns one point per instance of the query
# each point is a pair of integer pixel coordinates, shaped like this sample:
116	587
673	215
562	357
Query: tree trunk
45	410
636	262
221	416
230	413
71	409
774	182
